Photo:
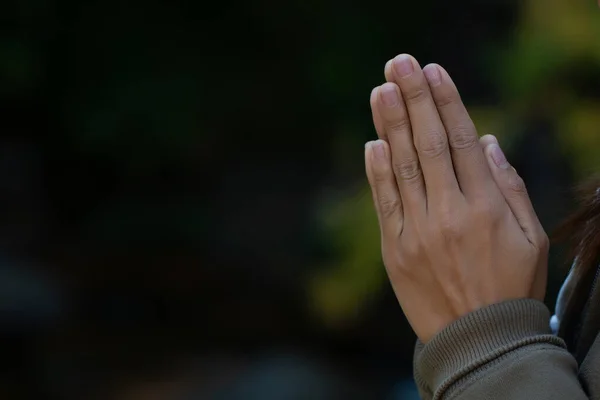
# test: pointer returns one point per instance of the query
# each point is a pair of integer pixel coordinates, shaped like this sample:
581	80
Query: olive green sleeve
501	352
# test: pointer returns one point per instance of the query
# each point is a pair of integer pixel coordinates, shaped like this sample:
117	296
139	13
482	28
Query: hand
458	230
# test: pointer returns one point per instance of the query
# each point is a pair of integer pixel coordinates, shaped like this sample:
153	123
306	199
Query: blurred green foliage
343	289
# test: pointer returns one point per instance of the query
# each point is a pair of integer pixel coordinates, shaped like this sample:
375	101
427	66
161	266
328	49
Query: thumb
513	188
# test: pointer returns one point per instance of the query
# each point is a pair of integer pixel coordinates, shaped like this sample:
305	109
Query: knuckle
542	241
382	175
517	185
416	95
398	126
407	170
412	249
484	210
462	137
449	230
448	226
445	99
405	268
388	206
486	214
433	145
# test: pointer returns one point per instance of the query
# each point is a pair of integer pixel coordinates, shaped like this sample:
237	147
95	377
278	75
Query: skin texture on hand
458	230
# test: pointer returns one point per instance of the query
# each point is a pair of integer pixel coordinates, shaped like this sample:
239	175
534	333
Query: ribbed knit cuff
481	337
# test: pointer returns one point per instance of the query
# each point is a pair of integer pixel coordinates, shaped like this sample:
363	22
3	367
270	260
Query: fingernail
378	150
367	145
498	156
490	137
403	65
389	95
433	75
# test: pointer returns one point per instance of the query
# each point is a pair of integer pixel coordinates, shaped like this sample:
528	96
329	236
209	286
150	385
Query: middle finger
429	134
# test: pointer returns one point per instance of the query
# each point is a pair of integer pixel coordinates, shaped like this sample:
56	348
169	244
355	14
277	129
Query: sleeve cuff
480	337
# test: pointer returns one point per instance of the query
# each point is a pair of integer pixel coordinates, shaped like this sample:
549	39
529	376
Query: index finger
429	134
469	161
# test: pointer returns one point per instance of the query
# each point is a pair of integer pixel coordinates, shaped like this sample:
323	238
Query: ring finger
405	161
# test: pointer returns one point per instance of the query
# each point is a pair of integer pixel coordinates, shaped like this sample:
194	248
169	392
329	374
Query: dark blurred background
185	213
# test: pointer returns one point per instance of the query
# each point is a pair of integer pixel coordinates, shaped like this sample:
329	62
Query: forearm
504	351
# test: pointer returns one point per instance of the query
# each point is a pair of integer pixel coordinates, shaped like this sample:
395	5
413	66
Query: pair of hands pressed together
458	230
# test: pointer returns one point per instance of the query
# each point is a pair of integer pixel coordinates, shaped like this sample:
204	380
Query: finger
429	135
387	71
371	177
405	160
383	185
485	140
468	159
513	188
375	113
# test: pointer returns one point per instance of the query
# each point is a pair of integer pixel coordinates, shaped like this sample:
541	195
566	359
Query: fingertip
495	153
445	75
403	65
402	57
380	149
448	89
368	165
387	71
368	152
380	156
443	72
433	74
374	92
389	95
377	122
488	139
383	143
387	86
373	97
